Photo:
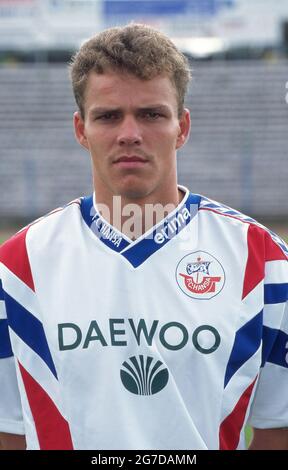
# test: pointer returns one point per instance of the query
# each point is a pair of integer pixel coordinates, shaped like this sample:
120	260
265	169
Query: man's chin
133	193
134	189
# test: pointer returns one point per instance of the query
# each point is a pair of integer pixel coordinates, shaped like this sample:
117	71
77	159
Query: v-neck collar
138	251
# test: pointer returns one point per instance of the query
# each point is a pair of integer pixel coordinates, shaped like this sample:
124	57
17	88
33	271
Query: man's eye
153	115
107	117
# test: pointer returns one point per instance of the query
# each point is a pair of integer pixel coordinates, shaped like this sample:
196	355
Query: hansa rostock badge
200	275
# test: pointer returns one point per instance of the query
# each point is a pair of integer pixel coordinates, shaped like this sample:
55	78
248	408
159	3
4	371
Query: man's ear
79	129
184	128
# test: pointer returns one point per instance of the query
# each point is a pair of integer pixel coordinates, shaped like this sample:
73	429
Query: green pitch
248	435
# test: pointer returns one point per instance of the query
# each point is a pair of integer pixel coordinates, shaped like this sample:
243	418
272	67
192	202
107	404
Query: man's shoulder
49	220
258	233
36	240
230	214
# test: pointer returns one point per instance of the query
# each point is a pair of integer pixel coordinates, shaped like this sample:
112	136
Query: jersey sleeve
270	404
11	420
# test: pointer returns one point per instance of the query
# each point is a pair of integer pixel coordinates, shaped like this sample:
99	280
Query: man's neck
134	217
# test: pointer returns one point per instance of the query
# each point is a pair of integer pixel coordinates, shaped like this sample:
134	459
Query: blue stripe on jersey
138	253
206	203
275	293
1	291
269	336
30	330
5	345
246	343
211	206
279	352
100	227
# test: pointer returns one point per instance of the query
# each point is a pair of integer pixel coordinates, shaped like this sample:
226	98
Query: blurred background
238	148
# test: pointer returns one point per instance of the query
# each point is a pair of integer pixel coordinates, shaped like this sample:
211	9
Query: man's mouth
130	161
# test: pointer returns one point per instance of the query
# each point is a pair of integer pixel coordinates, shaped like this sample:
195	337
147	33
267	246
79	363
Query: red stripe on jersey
255	265
230	428
273	251
14	256
261	248
52	429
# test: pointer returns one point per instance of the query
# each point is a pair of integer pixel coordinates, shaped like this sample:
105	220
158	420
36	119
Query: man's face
132	130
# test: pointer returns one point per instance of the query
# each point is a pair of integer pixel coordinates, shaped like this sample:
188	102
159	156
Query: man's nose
129	132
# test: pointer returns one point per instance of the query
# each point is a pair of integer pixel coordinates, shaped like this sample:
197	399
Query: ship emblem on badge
200	275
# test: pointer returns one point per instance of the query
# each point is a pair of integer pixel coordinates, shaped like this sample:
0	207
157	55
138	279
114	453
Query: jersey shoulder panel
14	254
256	231
55	218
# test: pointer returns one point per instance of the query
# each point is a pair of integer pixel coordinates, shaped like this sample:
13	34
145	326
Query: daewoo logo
144	375
120	332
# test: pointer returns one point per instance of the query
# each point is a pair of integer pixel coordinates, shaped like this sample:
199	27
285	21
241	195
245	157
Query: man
164	329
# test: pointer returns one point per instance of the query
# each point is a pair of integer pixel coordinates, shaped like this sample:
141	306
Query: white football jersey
173	341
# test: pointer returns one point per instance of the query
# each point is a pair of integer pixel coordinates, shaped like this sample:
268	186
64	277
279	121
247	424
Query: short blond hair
136	49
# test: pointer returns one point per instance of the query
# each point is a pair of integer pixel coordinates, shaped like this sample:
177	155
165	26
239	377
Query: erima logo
174	225
121	332
144	375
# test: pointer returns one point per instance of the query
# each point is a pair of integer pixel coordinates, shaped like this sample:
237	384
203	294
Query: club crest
200	275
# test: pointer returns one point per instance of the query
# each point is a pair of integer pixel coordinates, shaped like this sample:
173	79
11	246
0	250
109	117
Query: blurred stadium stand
237	152
238	149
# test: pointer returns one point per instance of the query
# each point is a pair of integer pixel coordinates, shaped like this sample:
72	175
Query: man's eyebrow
155	107
152	107
102	110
